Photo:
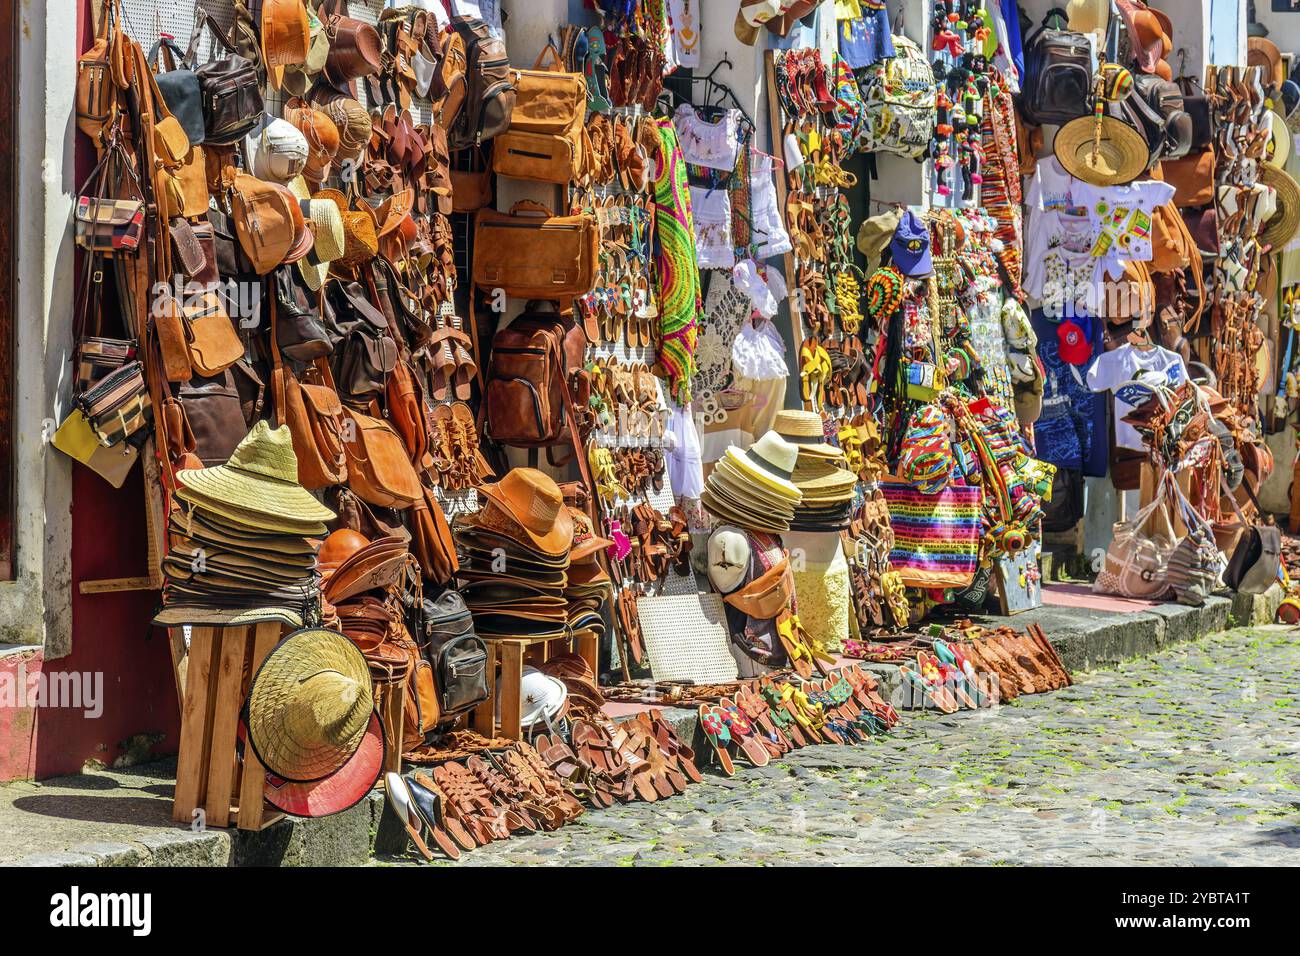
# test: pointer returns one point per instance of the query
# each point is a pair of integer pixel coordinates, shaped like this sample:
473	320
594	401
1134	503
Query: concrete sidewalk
123	817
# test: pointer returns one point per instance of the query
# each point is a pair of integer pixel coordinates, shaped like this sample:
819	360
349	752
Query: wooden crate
209	773
511	653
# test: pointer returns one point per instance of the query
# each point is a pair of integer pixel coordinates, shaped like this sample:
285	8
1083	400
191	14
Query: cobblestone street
1188	757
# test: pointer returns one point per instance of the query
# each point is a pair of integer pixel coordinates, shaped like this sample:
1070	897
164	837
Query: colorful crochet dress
678	273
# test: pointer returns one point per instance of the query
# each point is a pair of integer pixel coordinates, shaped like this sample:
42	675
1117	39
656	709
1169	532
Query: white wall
36	607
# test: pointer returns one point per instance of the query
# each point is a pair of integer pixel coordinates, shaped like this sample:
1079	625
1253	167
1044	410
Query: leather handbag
118	405
300	332
1167	122
102	71
767	595
470	190
180	90
531	253
526	393
458	655
106	224
1257	556
1192	177
1139	551
379	471
431	540
368	353
210	337
544	141
407	411
232	93
214	417
315	418
1197	106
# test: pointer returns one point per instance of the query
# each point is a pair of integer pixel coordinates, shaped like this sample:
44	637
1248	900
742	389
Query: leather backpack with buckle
544	141
1058	72
489	85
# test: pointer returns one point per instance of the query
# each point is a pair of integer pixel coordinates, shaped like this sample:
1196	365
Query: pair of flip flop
726	728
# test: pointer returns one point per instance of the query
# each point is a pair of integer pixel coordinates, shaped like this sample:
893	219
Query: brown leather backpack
102	70
544	141
527	396
489	85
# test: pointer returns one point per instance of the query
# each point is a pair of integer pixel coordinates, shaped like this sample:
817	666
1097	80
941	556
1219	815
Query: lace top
758	352
704	143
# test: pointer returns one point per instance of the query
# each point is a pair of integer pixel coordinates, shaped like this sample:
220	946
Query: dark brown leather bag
214	416
101	71
1192	178
314	415
232	92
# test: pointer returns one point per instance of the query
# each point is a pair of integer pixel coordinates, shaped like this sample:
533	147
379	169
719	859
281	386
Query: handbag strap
172	54
204	19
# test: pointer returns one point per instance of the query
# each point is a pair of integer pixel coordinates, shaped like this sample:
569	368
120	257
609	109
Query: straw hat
1264	53
309	705
1121	157
823	482
806	430
1281	141
341	790
261	477
325	222
1282	228
1089	16
535	505
769	462
360	240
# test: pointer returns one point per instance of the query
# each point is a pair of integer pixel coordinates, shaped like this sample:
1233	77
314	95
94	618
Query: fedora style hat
309	705
298	78
535	504
321	134
325	221
822	481
752	14
1120	155
1281	141
286	36
586	543
355	52
360	239
261	478
805	429
769	461
1148	31
264	222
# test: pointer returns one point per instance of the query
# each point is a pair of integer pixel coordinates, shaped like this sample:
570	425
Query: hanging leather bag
102	71
315	418
532	253
544	141
1058	72
232	93
180	89
379	471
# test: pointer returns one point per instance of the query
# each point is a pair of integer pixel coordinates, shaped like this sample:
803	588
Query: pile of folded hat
514	557
827	487
242	548
589	585
311	720
752	489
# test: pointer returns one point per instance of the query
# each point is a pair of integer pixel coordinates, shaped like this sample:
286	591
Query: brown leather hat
535	505
355	51
264	221
286	36
321	133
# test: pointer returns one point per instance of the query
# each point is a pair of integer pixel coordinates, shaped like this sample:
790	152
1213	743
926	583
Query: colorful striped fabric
936	537
678	272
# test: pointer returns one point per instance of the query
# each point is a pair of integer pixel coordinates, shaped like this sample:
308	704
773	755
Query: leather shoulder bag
532	253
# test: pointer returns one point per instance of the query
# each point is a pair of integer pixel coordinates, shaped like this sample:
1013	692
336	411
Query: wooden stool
209	774
511	652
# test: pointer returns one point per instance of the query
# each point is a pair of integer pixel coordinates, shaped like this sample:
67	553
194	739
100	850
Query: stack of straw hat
752	489
244	541
827	487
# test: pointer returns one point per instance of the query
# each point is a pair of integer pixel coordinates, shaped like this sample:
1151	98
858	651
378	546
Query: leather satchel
315	418
470	190
180	90
101	72
1192	177
379	471
532	253
214	416
210	336
232	93
431	540
544	141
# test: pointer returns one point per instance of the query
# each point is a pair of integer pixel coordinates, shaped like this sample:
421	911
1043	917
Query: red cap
1074	345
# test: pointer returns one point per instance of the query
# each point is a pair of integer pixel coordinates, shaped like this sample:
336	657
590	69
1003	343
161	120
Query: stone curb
1085	642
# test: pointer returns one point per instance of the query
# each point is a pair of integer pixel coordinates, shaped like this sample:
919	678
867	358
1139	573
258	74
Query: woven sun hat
204	615
326	224
805	429
759	520
534	502
1121	155
309	705
261	477
823	481
1281	141
1088	16
341	790
734	487
769	461
1282	228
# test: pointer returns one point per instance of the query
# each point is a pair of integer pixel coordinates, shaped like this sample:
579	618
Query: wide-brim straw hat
341	790
725	511
261	477
1282	228
1121	156
739	488
806	430
769	461
309	705
820	480
1281	141
194	615
325	220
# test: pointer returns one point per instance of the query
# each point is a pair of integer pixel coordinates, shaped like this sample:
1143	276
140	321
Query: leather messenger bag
532	253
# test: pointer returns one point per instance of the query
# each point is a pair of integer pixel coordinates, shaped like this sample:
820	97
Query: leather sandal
717	733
